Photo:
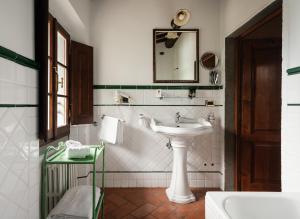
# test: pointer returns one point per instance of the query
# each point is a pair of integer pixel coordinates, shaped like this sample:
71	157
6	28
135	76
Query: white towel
72	143
120	133
111	130
76	150
75	204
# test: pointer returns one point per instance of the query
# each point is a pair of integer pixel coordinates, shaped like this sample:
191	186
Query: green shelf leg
44	190
94	190
103	186
68	176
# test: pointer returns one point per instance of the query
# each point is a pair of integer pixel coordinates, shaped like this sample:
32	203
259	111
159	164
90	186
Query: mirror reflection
175	56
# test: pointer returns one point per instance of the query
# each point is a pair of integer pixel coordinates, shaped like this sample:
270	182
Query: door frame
233	93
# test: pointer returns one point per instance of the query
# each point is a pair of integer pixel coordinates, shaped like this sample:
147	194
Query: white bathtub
252	205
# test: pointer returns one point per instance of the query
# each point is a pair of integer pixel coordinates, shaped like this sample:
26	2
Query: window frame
53	132
50	57
63	130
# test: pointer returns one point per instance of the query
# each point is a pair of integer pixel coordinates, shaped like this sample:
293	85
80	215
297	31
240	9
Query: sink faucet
177	117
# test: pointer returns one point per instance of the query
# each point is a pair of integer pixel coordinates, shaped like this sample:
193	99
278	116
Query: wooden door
81	83
260	139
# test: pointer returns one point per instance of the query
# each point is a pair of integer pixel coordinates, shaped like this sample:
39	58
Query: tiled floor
150	204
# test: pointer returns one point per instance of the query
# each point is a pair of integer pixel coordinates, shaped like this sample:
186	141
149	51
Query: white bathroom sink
180	134
189	129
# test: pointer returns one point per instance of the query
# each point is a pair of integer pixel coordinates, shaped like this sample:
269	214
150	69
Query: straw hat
182	17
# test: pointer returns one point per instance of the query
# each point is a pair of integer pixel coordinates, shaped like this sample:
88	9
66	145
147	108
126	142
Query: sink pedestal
179	190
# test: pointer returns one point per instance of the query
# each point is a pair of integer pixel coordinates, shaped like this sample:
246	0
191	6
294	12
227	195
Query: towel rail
102	117
121	120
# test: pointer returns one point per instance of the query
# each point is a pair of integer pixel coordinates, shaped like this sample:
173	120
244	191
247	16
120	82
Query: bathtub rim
217	199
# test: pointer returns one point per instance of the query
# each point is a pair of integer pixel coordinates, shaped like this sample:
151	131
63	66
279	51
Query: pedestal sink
181	136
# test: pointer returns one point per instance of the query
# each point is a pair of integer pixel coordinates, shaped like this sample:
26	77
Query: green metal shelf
58	155
61	157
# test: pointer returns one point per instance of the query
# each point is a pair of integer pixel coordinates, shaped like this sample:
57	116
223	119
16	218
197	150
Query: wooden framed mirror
175	56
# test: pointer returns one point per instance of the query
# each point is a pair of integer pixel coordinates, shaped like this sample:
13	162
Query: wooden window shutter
81	83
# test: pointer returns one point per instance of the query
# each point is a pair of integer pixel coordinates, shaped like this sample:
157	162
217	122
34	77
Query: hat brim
186	19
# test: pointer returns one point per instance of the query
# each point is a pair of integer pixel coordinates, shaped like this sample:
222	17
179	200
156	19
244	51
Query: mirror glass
209	60
175	56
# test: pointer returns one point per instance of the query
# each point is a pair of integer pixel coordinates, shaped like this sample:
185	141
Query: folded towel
72	143
111	130
120	133
75	204
76	150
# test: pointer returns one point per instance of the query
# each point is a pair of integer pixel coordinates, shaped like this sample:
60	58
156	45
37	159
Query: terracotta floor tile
164	210
137	198
150	217
116	199
152	203
109	207
123	211
198	213
172	216
156	200
128	217
144	210
106	216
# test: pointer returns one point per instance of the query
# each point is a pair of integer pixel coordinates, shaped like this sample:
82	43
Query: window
58	124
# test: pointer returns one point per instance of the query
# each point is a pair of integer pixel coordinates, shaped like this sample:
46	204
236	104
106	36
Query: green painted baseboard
17	58
163	87
129	105
17	105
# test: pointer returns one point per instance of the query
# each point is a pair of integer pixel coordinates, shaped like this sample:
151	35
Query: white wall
19	148
235	13
17	29
290	153
121	33
74	16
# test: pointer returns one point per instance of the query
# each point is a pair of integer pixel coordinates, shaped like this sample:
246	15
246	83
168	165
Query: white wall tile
293	89
19	157
158	180
142	149
21	75
104	96
7	70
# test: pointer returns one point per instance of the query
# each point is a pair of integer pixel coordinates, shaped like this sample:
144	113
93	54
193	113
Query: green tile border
17	58
293	71
163	87
293	104
129	105
146	172
17	105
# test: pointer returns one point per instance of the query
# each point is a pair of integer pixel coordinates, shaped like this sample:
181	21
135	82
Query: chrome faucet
177	117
